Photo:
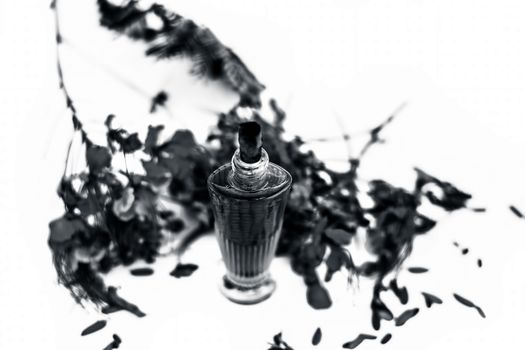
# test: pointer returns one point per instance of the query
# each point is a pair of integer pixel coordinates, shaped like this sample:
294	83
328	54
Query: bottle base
247	296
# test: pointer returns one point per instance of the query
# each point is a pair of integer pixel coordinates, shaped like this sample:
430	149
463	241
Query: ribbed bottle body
248	224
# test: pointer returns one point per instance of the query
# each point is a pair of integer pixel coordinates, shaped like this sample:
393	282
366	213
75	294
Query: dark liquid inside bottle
248	223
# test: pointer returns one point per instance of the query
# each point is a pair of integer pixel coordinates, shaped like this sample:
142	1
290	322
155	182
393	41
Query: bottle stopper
250	142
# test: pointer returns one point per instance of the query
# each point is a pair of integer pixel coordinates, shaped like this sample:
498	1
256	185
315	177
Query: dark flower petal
94	327
431	299
469	303
316	339
405	316
143	271
386	338
464	301
358	340
417	269
516	211
184	270
318	297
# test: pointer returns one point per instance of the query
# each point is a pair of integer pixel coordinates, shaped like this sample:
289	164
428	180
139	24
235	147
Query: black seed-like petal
479	210
464	301
516	211
358	340
386	338
417	269
431	299
95	327
184	270
142	271
480	263
316	339
405	316
469	303
465	251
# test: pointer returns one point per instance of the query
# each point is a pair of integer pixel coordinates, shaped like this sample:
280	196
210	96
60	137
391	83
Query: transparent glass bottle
248	201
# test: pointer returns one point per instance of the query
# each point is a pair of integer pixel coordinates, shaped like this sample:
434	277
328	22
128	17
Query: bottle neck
249	176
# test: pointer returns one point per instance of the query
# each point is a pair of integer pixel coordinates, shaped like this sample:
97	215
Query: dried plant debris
417	269
469	303
316	338
95	327
181	37
400	292
115	343
405	316
142	271
431	299
516	212
358	340
183	270
279	343
114	216
386	338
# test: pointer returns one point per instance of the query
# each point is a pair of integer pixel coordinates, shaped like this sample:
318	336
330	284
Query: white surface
459	64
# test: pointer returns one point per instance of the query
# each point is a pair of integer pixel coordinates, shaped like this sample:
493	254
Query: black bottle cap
250	142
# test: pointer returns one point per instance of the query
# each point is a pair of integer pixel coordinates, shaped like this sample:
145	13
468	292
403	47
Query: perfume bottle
248	198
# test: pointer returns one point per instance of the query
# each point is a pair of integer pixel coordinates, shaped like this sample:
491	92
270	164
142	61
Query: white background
458	64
